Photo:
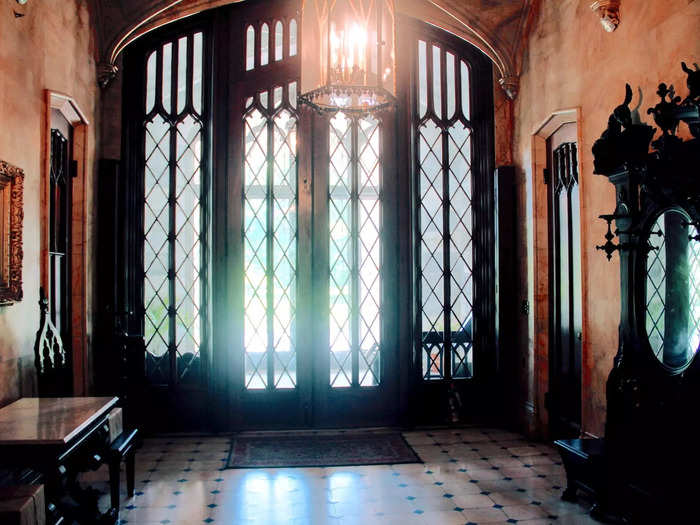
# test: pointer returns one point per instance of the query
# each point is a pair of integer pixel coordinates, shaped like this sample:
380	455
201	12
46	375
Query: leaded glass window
444	216
270	238
175	217
355	263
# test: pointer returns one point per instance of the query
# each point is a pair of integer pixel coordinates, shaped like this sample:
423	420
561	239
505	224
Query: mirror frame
653	213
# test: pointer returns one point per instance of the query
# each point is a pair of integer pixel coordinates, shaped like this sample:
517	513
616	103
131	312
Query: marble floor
470	476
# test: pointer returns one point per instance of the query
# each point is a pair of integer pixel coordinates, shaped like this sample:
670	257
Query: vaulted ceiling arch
496	27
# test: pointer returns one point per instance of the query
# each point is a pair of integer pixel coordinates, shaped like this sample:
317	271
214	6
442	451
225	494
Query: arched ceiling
497	27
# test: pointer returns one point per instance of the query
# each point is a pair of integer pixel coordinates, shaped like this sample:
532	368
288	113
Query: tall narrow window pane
368	251
270	256
250	48
340	250
156	248
445	226
292	37
355	252
432	264
284	230
197	73
466	105
450	84
181	73
279	40
461	263
175	244
255	250
150	82
437	82
264	45
188	248
422	78
167	76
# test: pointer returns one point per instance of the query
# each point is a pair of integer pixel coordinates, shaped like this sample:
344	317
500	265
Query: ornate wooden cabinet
642	471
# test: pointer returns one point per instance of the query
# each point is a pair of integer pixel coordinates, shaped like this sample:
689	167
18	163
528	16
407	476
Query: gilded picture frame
11	218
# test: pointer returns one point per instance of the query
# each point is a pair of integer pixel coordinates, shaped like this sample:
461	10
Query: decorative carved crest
623	143
11	218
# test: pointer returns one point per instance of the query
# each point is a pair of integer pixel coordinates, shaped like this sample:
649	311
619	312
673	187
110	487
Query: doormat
338	449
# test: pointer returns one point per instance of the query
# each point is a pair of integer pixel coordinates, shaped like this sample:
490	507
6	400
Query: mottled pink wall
51	47
571	62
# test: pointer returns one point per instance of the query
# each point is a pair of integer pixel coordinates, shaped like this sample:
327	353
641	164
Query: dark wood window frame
426	399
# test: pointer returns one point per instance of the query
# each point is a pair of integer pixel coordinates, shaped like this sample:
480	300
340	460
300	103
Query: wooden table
59	437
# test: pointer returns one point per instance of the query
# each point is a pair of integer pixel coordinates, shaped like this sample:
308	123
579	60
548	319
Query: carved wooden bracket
11	217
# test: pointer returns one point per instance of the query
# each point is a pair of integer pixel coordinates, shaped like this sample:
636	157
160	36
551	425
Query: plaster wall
51	47
570	62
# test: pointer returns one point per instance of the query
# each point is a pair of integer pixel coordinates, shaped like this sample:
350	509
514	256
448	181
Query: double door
263	233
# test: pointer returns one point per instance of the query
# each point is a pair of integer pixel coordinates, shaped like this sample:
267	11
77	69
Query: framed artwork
11	216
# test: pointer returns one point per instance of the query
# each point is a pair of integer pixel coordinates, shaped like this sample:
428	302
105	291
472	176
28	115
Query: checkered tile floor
470	476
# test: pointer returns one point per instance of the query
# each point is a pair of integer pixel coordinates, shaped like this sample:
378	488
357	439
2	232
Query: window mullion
172	205
355	264
447	268
269	239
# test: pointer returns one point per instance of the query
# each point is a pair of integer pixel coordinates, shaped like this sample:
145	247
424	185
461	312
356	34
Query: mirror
673	289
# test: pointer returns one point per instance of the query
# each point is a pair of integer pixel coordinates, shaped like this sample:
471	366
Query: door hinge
547	175
547	401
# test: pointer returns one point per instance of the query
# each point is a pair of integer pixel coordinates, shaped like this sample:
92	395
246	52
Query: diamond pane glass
369	257
270	257
340	250
461	263
284	257
174	244
673	277
156	247
188	246
432	262
694	291
255	204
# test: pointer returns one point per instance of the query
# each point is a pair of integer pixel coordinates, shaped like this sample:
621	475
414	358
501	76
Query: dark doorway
565	283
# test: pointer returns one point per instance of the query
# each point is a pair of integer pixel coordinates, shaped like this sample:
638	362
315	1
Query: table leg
114	483
130	472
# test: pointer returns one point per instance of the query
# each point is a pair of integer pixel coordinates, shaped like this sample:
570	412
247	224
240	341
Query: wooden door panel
565	283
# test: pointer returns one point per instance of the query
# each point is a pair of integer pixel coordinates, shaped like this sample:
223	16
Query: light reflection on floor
470	476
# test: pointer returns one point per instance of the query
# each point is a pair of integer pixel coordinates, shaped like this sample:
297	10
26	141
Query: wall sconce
609	12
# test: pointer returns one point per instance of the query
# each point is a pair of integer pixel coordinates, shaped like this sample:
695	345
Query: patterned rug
336	449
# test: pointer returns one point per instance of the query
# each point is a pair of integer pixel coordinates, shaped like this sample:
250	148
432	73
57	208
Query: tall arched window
452	115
